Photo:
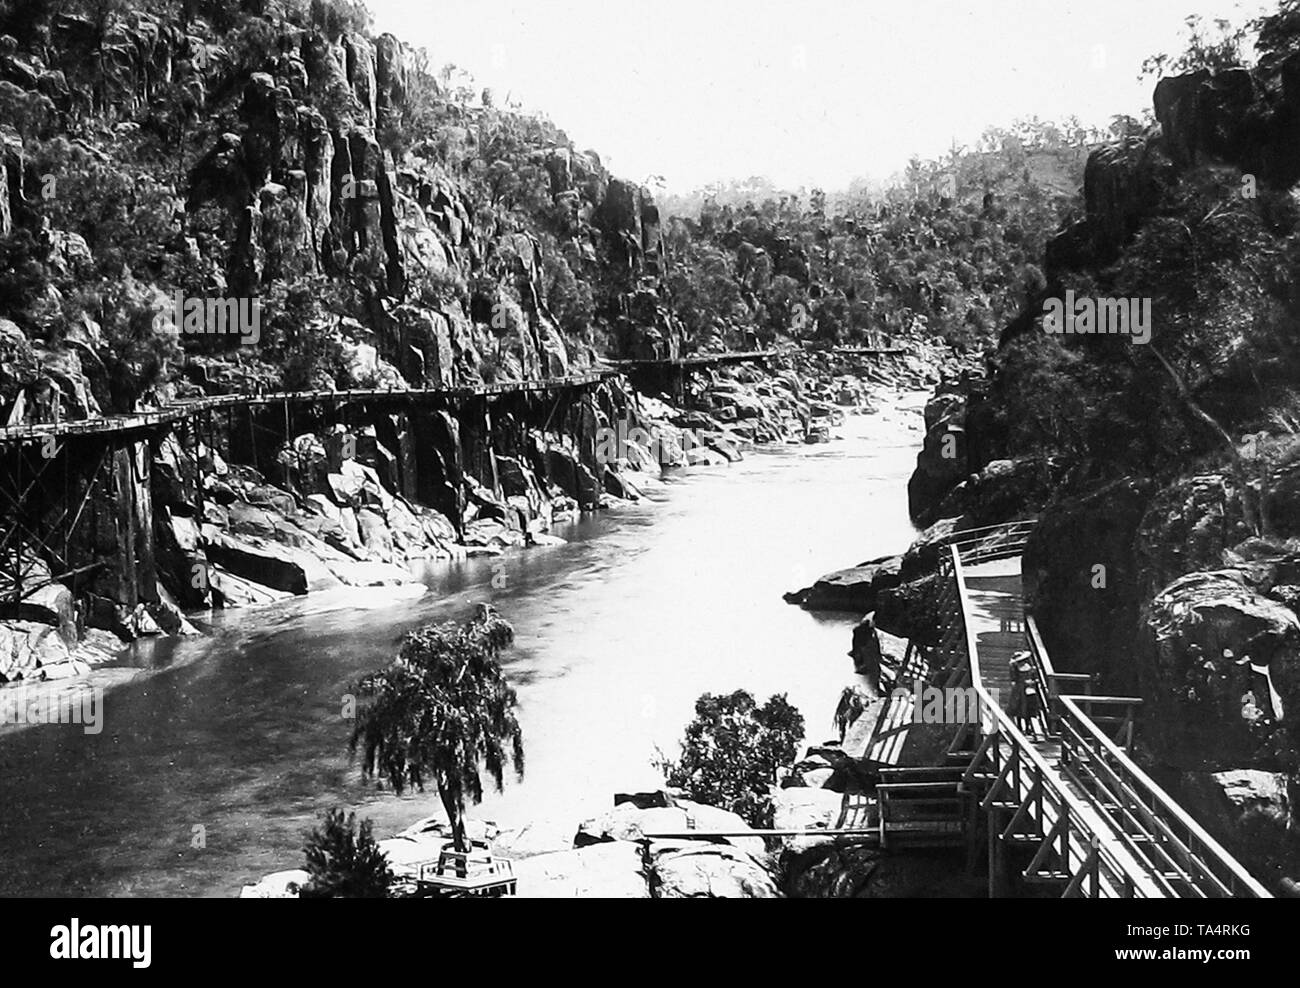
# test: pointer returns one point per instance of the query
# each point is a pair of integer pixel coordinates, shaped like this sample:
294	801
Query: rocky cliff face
291	154
1167	576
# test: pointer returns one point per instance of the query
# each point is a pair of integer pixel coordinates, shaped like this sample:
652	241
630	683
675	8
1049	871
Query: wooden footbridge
35	432
75	496
1062	806
696	360
668	375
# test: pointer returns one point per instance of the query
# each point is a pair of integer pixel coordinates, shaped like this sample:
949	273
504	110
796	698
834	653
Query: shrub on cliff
442	712
735	752
345	863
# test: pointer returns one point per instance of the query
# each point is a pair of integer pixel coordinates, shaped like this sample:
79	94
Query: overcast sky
807	92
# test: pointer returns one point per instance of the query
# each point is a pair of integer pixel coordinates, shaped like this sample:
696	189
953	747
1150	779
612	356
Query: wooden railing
1129	838
1176	846
1018	769
697	359
990	542
149	418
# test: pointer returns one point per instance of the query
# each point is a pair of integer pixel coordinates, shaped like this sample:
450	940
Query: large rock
1207	116
280	885
1083	583
838	871
29	648
853	589
907	611
51	604
1200	719
710	871
943	461
272	564
230	590
573	477
806	808
610	870
1121	183
923	555
1002	489
1232	798
1252	812
829	870
629	822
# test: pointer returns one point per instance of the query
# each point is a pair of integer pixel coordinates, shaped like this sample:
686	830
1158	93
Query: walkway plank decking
186	408
1087	821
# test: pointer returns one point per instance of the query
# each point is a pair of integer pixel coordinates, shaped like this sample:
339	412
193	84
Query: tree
1206	49
734	753
344	863
442	712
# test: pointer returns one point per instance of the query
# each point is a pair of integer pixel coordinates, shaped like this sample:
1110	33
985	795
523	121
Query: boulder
610	870
282	568
1201	719
854	589
1229	800
806	808
375	534
942	462
922	556
27	647
710	871
573	477
230	590
825	870
280	885
1083	579
51	604
907	611
629	822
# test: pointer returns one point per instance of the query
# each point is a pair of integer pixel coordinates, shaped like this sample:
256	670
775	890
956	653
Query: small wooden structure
473	873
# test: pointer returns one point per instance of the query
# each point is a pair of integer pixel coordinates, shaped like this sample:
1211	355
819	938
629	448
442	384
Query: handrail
696	359
1162	803
984	533
1214	852
1139	799
1000	723
147	418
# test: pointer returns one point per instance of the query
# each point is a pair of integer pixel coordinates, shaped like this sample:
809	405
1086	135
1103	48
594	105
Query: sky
809	93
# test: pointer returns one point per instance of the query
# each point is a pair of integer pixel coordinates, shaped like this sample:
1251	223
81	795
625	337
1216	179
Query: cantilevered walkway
1063	807
191	407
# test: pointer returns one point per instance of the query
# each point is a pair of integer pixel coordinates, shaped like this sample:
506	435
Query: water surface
236	742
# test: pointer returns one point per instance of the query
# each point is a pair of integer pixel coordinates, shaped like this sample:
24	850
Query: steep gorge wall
295	147
1164	585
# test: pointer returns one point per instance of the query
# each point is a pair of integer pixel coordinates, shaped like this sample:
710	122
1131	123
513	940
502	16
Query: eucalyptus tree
443	713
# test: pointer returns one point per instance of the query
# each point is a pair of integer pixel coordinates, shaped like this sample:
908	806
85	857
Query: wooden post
998	884
1095	857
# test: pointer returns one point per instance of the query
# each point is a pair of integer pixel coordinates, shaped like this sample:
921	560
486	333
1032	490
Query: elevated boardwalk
699	359
188	408
741	356
1063	807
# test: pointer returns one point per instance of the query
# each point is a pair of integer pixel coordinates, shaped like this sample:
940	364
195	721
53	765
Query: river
221	752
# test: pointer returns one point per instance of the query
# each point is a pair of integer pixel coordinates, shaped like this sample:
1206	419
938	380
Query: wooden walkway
1065	792
152	418
741	356
699	359
995	621
1062	805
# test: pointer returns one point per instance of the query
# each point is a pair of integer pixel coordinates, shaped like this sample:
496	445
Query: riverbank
551	854
240	732
338	508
